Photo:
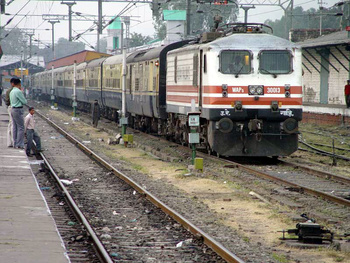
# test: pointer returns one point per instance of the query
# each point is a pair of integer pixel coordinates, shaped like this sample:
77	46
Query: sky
30	16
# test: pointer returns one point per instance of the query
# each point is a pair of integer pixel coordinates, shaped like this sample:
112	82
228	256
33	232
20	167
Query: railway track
323	187
77	233
137	247
321	152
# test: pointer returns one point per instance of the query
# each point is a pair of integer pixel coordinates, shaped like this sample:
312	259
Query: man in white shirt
29	125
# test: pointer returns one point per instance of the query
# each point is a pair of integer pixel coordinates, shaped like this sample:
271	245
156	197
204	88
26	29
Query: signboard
18	72
193	120
347	28
193	137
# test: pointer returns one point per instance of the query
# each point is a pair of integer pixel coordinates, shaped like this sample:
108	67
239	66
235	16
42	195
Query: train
245	83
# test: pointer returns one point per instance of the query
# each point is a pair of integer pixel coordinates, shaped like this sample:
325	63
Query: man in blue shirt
17	100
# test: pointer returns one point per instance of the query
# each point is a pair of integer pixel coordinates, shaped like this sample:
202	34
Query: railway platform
330	114
27	231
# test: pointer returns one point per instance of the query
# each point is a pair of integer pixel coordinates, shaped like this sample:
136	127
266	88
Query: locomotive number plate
273	90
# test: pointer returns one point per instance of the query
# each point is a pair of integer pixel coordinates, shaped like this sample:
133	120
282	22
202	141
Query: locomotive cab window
235	62
275	62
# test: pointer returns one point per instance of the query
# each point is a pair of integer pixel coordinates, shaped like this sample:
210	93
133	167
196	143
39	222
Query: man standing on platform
347	94
95	113
10	126
29	124
17	100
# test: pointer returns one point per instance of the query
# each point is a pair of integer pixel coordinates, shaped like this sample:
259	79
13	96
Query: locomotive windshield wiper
239	71
268	72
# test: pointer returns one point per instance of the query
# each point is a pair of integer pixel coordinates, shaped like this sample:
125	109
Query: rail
99	248
288	183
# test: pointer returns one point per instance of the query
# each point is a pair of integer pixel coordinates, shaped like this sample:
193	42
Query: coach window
235	62
275	62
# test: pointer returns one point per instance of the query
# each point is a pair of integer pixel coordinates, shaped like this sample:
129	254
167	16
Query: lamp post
53	22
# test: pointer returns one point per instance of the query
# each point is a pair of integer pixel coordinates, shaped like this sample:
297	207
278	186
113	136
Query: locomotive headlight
256	90
252	90
260	90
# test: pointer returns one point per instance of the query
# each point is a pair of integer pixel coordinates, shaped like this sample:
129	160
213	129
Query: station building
11	65
82	56
325	72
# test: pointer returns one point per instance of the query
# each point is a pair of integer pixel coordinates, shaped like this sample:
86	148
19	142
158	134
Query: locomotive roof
244	41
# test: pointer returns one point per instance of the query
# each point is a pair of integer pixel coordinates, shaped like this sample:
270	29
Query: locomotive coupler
255	126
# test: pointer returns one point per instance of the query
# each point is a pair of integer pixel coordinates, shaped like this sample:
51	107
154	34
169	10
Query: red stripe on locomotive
244	89
252	101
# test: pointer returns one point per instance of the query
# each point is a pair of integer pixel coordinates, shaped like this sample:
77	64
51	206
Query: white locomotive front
248	89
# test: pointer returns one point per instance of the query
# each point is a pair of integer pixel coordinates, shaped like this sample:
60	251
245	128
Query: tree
309	19
64	48
138	40
103	45
201	16
12	41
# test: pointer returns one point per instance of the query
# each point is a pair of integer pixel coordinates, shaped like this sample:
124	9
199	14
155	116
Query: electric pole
53	22
69	4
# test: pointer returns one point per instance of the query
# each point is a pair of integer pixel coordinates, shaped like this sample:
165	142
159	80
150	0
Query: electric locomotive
247	87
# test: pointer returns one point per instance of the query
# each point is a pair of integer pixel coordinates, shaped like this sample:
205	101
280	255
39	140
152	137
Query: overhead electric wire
86	42
125	9
277	10
40	42
10	20
14	27
142	22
